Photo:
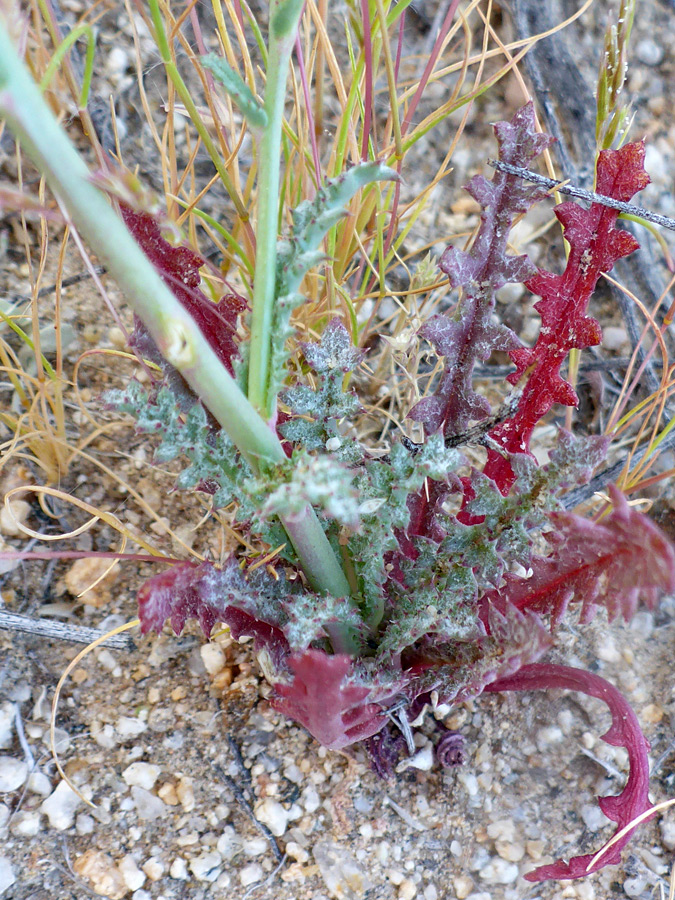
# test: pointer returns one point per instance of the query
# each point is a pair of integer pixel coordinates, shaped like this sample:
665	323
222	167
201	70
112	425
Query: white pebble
256	846
178	869
470	782
60	806
26	824
206	866
84	823
430	892
213	658
13	773
130	726
39	783
186	794
153	868
148	807
593	817
296	852
13	516
271	813
502	830
551	734
310	799
6	724
4	814
614	337
132	875
251	874
407	890
499	871
141	895
229	843
7	877
667	827
141	774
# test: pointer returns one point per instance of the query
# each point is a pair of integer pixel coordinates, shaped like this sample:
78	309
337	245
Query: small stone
7	876
667	828
82	580
649	52
256	846
512	851
153	868
502	830
130	726
178	869
60	806
168	794
614	337
407	889
652	714
186	794
593	817
499	871
84	823
141	895
4	814
251	873
133	877
206	867
271	813
295	851
12	515
13	773
213	658
148	807
229	843
142	774
343	876
423	760
26	823
463	886
6	723
39	783
535	849
546	737
101	872
634	887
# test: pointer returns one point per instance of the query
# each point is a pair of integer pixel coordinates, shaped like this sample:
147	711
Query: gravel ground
200	790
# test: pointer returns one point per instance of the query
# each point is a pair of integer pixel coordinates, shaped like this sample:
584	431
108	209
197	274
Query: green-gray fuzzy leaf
299	252
237	89
308	615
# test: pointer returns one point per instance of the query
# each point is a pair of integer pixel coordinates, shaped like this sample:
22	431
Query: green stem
284	18
169	324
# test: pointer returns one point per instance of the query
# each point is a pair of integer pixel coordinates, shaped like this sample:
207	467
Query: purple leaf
471	335
624	732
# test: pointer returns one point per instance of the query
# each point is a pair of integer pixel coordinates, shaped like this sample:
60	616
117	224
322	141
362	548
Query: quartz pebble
206	866
463	885
343	876
84	823
7	876
229	843
499	871
153	868
60	806
593	817
13	773
26	824
251	874
185	794
614	337
407	889
256	846
271	813
4	814
130	726
82	580
178	869
667	828
101	872
141	774
147	805
213	658
39	783
133	877
6	724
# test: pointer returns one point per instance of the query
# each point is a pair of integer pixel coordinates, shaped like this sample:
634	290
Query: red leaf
624	732
595	245
321	696
179	268
611	563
